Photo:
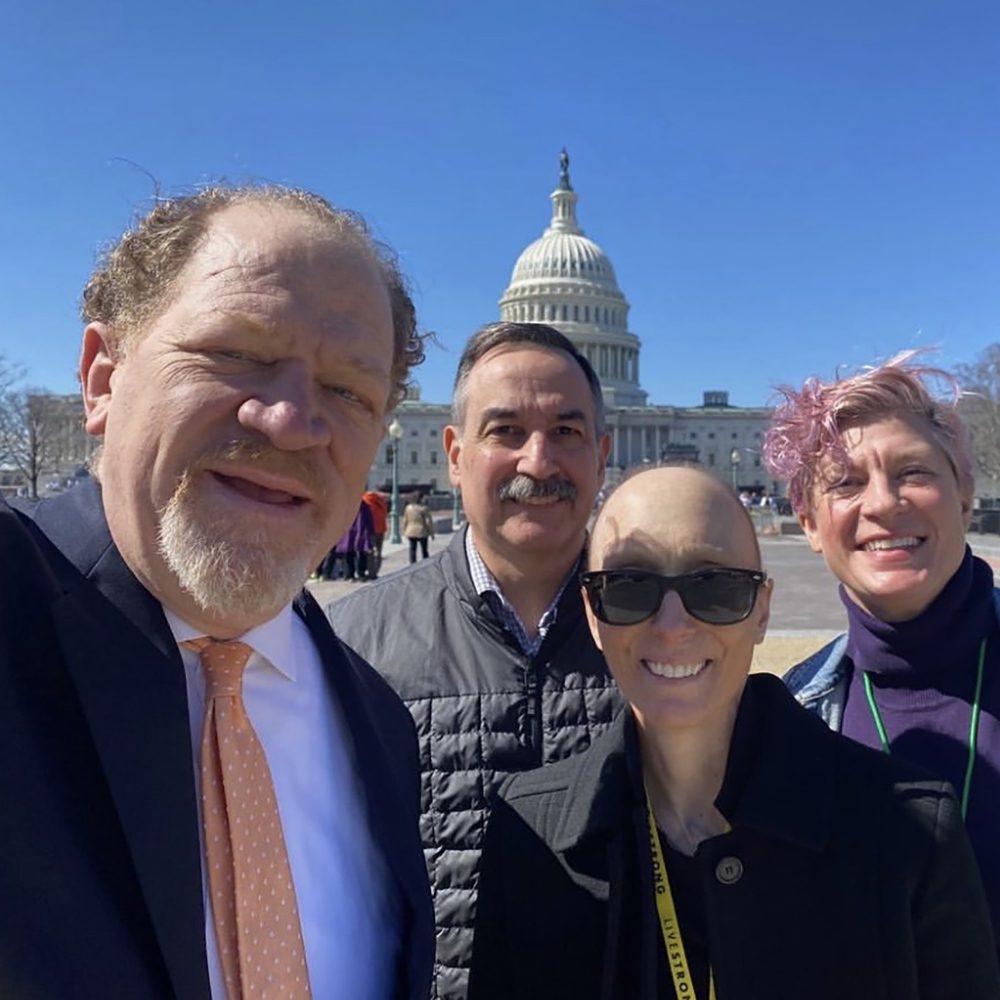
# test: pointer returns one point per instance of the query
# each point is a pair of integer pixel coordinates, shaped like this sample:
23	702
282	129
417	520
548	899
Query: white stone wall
638	435
421	452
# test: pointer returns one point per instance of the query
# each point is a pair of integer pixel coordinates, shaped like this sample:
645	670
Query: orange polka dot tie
254	909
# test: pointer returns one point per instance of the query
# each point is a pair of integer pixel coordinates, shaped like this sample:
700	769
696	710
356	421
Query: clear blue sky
782	186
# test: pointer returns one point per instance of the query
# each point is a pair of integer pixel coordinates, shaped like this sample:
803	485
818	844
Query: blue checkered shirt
488	588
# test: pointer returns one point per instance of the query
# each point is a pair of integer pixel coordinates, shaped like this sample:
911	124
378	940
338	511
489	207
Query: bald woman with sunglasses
718	841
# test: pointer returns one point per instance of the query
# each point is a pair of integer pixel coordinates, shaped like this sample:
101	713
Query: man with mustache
205	794
486	642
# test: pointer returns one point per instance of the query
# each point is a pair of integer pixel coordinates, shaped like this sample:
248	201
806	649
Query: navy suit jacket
100	874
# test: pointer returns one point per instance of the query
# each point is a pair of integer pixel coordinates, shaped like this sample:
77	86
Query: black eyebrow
506	414
497	413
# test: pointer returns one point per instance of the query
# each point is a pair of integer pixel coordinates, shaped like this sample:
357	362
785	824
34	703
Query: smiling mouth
260	493
675	671
892	544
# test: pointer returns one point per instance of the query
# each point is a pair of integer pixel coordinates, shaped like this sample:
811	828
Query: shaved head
676	670
676	518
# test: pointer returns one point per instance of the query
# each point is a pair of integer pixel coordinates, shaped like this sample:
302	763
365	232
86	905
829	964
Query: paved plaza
806	611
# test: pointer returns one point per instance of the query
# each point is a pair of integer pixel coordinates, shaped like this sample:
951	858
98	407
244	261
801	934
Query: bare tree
980	408
32	428
10	378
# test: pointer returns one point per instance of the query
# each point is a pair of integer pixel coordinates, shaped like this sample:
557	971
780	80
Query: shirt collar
273	640
485	584
484	581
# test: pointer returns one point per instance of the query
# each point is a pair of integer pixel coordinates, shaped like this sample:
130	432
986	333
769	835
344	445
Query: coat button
729	870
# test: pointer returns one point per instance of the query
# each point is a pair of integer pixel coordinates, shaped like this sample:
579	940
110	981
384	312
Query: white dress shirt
350	920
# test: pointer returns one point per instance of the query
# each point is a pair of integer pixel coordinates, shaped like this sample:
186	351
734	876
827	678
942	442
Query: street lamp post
734	463
395	433
456	510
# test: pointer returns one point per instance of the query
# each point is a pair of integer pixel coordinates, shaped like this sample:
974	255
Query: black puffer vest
483	710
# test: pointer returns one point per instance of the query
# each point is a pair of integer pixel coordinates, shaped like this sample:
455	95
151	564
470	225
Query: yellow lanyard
676	958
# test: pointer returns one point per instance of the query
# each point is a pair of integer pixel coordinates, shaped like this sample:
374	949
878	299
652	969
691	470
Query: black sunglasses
715	596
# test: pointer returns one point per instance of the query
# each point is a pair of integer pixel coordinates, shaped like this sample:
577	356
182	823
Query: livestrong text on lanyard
670	928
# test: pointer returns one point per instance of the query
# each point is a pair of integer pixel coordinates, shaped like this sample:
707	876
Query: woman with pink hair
880	476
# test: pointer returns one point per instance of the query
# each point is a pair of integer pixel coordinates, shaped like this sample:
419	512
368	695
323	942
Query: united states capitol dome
565	279
565	252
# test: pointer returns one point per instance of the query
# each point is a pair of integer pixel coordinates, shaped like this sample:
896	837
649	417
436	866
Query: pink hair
807	424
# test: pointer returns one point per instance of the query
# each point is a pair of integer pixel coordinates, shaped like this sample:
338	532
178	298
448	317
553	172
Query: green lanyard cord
973	723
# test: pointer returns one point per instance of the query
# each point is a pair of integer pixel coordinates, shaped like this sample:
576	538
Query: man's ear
452	448
603	450
98	360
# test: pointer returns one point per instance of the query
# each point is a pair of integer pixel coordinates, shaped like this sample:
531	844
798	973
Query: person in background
880	476
379	508
355	544
418	526
327	569
205	794
486	641
718	840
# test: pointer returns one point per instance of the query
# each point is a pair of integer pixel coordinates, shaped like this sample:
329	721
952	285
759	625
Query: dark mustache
522	487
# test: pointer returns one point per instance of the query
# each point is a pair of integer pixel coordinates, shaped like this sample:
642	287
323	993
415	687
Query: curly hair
807	424
135	276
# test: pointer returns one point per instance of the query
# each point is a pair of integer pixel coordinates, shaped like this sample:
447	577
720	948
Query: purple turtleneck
923	674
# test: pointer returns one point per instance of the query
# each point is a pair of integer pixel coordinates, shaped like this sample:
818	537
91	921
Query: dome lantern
563	203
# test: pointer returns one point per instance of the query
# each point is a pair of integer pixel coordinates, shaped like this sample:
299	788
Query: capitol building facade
566	280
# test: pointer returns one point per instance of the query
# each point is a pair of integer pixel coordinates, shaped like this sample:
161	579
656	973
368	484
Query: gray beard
226	568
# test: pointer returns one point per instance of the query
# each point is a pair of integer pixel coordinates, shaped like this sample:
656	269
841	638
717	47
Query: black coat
100	872
845	874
